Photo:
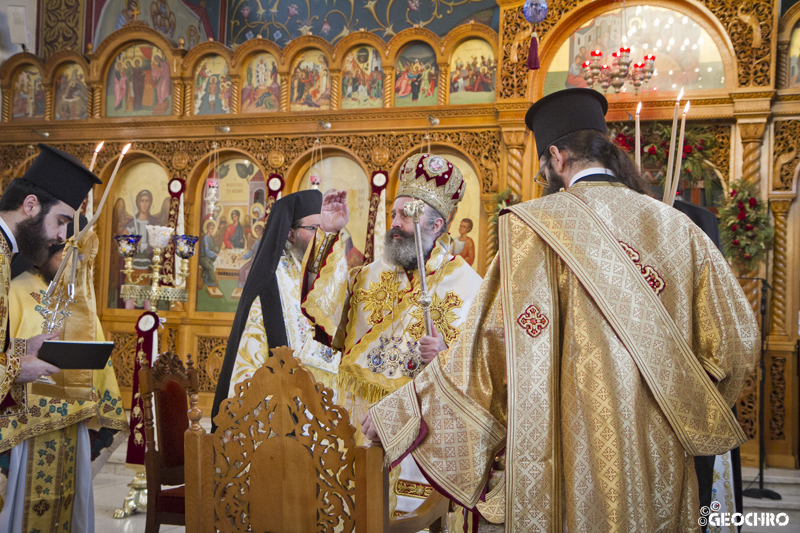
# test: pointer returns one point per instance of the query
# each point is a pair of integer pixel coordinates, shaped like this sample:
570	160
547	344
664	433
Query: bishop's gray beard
402	252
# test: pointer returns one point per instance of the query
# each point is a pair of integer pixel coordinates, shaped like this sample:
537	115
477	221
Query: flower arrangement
502	199
696	167
745	229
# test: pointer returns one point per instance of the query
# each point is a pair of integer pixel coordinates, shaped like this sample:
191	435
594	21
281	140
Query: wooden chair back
283	459
164	388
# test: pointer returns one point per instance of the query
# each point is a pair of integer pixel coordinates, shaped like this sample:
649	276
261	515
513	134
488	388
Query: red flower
748	227
740	205
752	202
733	193
630	140
747	256
736	242
663	144
687	149
699	147
734	227
741	215
652	150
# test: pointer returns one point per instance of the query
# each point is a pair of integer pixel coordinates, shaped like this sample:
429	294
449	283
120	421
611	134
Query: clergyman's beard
49	269
32	240
555	181
402	252
298	249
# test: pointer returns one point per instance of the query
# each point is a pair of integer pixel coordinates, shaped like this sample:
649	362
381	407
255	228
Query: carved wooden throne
283	459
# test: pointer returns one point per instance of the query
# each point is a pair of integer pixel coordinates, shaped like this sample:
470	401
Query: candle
679	158
181	222
105	193
94	155
671	154
638	139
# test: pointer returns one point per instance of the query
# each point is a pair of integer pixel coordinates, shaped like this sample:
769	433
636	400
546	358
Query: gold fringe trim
400	445
322	376
347	382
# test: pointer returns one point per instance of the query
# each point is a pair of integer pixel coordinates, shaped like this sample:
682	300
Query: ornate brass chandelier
619	72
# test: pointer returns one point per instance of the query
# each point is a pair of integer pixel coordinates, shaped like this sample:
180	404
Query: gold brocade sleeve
725	334
324	303
461	397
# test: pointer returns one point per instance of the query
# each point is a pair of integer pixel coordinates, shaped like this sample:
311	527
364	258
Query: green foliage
502	199
744	226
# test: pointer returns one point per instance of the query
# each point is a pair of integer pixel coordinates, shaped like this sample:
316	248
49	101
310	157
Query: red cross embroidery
533	321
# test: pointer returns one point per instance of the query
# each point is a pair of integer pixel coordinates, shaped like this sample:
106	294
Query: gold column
752	142
782	66
49	113
515	141
444	85
177	97
98	100
235	93
336	89
284	93
780	265
188	98
89	101
388	87
491	237
7	105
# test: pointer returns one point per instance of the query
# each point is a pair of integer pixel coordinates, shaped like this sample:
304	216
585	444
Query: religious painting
464	227
139	83
342	173
473	73
794	58
685	55
310	82
261	86
416	76
193	20
72	95
141	198
362	79
28	100
212	87
230	233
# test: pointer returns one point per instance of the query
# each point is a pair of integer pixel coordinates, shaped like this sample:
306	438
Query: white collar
11	240
590	172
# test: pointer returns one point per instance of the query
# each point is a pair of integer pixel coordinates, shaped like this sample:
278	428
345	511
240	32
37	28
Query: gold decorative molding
752	141
781	78
777	396
515	141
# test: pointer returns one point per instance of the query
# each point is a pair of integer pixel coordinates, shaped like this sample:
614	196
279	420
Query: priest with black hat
35	212
269	313
604	350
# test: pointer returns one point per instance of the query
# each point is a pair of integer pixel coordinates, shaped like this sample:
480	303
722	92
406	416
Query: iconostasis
235	127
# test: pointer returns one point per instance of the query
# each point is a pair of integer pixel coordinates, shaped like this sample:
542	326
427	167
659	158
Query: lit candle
638	139
679	157
671	155
105	193
94	155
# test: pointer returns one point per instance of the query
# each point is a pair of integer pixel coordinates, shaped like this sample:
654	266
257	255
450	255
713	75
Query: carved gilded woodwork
515	142
289	418
787	153
210	354
409	35
780	267
752	141
781	77
747	406
122	356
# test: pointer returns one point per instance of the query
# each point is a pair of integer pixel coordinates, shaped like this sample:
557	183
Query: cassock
599	394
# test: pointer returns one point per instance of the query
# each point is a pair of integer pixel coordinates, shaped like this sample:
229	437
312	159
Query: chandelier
620	72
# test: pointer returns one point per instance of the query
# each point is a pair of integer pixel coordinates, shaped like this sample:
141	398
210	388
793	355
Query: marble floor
110	489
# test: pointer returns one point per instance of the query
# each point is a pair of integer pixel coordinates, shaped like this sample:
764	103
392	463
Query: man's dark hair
592	146
19	189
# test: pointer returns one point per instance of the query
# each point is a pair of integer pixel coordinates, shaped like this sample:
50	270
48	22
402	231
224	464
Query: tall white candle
679	157
94	155
638	139
671	155
105	192
181	223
